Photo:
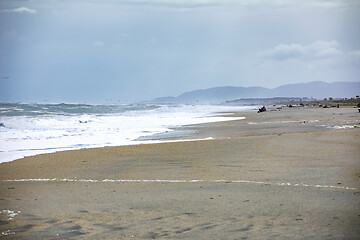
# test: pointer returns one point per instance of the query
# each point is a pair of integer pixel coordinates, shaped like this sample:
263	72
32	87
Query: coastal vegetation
327	102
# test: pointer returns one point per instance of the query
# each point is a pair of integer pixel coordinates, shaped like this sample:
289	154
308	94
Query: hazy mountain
317	90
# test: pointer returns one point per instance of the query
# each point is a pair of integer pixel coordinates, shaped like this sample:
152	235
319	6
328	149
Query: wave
20	109
30	129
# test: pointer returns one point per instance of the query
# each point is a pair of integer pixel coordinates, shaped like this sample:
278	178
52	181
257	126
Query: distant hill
318	90
265	101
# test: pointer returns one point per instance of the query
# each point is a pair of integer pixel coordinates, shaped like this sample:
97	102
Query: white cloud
330	3
283	3
355	54
98	44
123	35
117	46
316	50
20	10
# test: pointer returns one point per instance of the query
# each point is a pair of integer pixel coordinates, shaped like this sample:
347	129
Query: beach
289	173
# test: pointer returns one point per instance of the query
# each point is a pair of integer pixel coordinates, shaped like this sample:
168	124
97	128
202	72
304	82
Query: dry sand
289	174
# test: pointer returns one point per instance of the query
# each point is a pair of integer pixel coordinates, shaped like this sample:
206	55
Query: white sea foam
287	184
7	232
345	127
10	214
44	131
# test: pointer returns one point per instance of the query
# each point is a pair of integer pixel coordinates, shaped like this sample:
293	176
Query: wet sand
288	174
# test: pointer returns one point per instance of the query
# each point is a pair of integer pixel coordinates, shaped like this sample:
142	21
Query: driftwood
263	109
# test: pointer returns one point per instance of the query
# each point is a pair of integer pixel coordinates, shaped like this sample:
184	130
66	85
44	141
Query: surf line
175	181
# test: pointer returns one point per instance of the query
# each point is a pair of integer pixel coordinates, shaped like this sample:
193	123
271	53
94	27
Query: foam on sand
10	214
346	127
177	181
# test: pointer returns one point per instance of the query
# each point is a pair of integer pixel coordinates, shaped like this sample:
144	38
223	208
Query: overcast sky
127	50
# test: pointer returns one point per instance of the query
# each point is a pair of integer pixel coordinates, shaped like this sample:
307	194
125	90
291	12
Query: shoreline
145	133
288	174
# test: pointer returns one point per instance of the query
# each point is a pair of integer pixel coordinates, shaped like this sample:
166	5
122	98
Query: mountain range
317	90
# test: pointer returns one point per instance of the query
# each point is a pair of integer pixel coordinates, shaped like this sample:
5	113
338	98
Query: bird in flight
5	77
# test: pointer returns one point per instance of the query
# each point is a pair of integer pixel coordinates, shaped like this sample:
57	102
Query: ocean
31	129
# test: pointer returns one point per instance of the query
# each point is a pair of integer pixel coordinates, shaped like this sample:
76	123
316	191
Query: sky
133	50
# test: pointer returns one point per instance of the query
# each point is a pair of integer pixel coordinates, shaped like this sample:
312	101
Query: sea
32	129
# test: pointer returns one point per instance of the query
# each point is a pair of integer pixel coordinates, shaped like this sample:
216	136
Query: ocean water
31	129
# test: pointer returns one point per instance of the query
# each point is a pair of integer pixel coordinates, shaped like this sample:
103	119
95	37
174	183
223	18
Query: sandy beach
290	173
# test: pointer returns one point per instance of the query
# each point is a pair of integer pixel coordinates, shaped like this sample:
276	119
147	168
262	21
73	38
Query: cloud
117	46
330	4
98	44
186	5
316	50
123	35
206	3
355	54
20	10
